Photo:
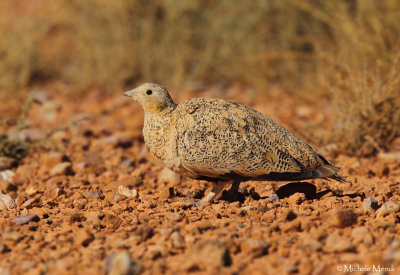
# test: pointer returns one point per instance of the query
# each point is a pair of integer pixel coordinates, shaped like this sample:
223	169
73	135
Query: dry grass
342	51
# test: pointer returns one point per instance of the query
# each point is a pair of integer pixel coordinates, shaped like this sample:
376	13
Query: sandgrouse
224	142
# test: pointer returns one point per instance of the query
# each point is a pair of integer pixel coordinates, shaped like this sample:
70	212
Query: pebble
51	159
122	264
178	241
116	141
119	197
7	175
255	248
387	208
312	244
98	194
63	168
29	203
40	96
130	193
370	203
335	243
32	135
144	232
6	202
362	235
6	163
49	110
273	198
174	217
342	217
210	252
111	221
25	219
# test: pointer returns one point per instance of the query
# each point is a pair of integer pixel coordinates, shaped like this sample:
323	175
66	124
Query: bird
224	142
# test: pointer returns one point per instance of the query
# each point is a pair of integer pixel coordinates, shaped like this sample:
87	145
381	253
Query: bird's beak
129	93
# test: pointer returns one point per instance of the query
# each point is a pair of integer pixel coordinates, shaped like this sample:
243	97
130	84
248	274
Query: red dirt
81	179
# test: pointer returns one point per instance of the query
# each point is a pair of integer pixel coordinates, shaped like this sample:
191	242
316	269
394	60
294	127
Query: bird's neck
156	131
159	108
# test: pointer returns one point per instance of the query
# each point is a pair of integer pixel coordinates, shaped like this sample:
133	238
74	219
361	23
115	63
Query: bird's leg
215	193
233	192
234	187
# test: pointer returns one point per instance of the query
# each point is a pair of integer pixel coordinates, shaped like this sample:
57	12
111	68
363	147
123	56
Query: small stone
98	194
117	141
119	197
362	235
210	252
53	192
273	198
144	232
342	217
370	203
178	241
335	243
6	163
80	203
387	208
127	163
30	190
25	219
6	202
49	110
168	176
174	217
83	237
130	193
111	221
51	159
30	203
6	175
122	264
40	96
312	244
32	134
255	248
63	168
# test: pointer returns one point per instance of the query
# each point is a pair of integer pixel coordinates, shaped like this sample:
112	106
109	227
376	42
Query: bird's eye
149	92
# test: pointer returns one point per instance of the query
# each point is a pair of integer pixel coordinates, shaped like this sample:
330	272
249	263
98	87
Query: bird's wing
223	139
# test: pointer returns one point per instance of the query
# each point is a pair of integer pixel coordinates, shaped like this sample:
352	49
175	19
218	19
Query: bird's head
153	98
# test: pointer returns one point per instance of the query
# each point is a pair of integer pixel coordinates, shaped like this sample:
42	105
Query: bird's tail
328	171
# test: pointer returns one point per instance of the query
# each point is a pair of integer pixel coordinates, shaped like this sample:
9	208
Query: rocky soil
89	198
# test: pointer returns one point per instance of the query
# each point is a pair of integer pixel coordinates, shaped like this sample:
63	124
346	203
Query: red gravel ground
90	199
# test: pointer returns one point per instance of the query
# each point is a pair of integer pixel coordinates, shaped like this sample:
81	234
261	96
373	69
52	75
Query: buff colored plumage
224	142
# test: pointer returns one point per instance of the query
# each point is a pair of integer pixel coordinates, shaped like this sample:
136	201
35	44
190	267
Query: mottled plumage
223	141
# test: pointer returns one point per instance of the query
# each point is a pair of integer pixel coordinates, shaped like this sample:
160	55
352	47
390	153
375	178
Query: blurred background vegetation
345	52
